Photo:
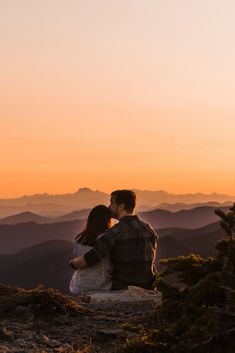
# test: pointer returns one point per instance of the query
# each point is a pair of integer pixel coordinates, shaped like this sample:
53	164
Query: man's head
122	203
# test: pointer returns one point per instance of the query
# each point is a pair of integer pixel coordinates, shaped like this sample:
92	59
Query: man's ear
121	207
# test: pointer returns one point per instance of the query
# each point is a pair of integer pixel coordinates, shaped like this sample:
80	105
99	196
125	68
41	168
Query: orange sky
117	93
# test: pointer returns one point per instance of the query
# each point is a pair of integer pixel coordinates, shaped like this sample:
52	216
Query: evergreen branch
227	288
212	337
221	311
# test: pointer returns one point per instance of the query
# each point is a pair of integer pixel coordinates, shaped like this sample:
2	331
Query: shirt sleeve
154	262
102	247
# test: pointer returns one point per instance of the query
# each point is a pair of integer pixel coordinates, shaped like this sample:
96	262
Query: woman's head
98	221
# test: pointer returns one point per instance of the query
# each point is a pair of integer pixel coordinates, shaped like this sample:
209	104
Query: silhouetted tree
197	314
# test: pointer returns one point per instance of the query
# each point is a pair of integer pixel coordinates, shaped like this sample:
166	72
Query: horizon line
97	190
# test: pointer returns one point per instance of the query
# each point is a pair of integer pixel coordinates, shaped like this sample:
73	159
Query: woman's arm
102	248
78	262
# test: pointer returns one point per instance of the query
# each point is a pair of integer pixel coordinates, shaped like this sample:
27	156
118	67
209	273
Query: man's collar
129	217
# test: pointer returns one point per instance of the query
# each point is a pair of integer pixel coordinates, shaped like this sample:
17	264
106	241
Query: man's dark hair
127	197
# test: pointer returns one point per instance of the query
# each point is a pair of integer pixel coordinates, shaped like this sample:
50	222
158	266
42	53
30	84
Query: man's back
132	246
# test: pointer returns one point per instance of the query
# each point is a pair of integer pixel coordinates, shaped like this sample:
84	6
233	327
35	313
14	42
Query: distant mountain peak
27	213
84	189
87	191
24	217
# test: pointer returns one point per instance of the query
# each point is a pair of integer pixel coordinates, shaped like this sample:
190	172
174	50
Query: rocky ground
46	321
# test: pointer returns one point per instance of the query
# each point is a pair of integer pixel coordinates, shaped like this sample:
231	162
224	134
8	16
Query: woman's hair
98	221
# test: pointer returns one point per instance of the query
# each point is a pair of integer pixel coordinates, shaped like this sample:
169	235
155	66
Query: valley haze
48	205
40	229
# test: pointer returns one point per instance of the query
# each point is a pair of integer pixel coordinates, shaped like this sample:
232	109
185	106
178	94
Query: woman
97	277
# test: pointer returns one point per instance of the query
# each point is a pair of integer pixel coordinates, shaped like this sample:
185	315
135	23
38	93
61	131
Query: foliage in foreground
39	301
198	315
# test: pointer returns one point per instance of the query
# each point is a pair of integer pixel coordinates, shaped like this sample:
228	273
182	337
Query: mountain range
36	249
47	263
56	205
16	237
191	218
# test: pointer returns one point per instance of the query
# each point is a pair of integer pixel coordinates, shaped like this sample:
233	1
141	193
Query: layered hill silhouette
46	263
16	237
25	217
82	214
170	247
184	233
178	225
199	241
204	244
175	207
192	218
56	205
36	249
150	197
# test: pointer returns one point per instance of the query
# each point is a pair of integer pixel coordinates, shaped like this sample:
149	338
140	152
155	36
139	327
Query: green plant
197	315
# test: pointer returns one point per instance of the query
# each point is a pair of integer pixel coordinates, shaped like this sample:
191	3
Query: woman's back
95	278
99	276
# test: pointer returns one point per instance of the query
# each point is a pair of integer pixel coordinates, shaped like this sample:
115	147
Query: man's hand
78	262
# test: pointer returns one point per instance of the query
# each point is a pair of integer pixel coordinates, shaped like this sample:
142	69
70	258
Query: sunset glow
117	94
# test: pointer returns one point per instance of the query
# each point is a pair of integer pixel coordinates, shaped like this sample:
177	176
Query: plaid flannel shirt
132	245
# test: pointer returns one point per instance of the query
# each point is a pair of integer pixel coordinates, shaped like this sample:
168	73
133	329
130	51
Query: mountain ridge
85	191
190	218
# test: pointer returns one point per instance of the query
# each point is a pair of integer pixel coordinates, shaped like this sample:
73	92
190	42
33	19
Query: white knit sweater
94	278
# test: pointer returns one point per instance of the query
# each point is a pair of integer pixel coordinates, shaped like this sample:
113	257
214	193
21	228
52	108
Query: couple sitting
114	257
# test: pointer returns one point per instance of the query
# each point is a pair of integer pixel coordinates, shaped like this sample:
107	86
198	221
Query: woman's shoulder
81	249
79	236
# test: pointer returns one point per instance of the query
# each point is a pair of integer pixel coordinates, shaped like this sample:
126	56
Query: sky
114	94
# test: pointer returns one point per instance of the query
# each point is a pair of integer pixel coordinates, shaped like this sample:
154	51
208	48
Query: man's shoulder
113	230
148	227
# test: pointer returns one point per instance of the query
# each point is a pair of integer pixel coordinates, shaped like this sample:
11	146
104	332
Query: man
131	243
